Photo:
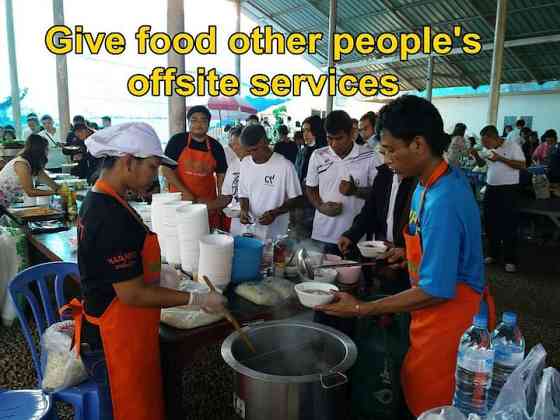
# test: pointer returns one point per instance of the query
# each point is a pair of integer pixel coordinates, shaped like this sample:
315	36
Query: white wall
544	107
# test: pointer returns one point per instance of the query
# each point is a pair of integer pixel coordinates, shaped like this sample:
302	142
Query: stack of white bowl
170	233
156	208
158	200
216	256
192	224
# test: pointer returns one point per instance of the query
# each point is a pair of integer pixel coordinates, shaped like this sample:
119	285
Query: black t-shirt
287	149
110	242
179	141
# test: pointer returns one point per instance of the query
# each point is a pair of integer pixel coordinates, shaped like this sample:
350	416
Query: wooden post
16	111
332	30
430	78
177	109
497	62
238	29
61	77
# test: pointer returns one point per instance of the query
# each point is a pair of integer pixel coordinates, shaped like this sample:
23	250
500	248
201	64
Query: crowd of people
60	151
396	177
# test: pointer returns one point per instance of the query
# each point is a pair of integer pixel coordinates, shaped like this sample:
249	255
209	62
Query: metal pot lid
347	361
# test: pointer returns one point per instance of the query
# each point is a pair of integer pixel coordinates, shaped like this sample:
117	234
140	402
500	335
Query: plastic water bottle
475	362
509	349
267	258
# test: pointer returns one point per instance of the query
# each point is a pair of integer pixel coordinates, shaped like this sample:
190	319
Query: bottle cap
480	321
509	318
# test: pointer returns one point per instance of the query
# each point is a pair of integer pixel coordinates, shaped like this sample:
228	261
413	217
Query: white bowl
372	249
232	213
322	275
349	275
311	300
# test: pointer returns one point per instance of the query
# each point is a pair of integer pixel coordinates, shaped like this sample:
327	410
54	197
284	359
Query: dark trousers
96	367
501	220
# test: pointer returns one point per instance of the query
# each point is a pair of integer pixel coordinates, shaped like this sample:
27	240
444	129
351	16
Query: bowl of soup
314	293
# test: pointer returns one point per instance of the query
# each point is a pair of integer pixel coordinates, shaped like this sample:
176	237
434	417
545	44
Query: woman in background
17	176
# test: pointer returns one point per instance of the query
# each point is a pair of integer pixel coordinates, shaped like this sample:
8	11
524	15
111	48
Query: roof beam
341	29
438	23
518	59
411	25
259	15
455	51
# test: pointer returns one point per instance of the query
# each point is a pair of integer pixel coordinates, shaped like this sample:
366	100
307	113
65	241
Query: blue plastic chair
84	397
25	405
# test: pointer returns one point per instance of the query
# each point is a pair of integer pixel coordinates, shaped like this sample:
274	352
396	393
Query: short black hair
46	117
227	128
80	126
283	130
489	130
253	134
199	109
298	135
252	117
409	116
459	130
338	121
106	118
32	116
547	134
520	123
78	118
370	116
235	131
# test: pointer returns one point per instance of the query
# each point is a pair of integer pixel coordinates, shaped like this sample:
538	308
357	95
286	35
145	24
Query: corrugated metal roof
526	19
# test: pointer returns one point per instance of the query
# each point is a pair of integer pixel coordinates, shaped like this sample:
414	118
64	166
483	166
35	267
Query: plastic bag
442	413
258	293
14	259
518	396
186	319
62	368
548	398
283	287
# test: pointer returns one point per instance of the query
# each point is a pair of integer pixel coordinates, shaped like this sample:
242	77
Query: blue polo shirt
451	236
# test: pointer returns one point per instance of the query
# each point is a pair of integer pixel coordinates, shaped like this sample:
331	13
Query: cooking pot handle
340	377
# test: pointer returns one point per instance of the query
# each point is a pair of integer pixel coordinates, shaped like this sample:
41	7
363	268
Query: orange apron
195	169
428	372
130	336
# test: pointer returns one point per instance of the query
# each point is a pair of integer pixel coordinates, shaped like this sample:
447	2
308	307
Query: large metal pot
297	372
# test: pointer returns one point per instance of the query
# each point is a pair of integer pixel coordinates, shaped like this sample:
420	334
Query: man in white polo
268	185
339	179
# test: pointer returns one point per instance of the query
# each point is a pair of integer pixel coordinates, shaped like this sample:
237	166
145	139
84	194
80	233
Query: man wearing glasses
201	162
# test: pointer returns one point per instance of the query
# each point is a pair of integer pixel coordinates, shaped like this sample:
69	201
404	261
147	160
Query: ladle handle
232	319
363	264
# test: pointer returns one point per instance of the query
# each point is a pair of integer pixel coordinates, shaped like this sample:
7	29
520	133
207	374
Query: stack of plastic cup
216	257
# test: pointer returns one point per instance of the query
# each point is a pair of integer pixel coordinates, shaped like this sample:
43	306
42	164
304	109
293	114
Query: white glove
212	302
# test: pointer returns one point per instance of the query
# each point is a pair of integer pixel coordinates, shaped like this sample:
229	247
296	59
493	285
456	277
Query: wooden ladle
232	319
